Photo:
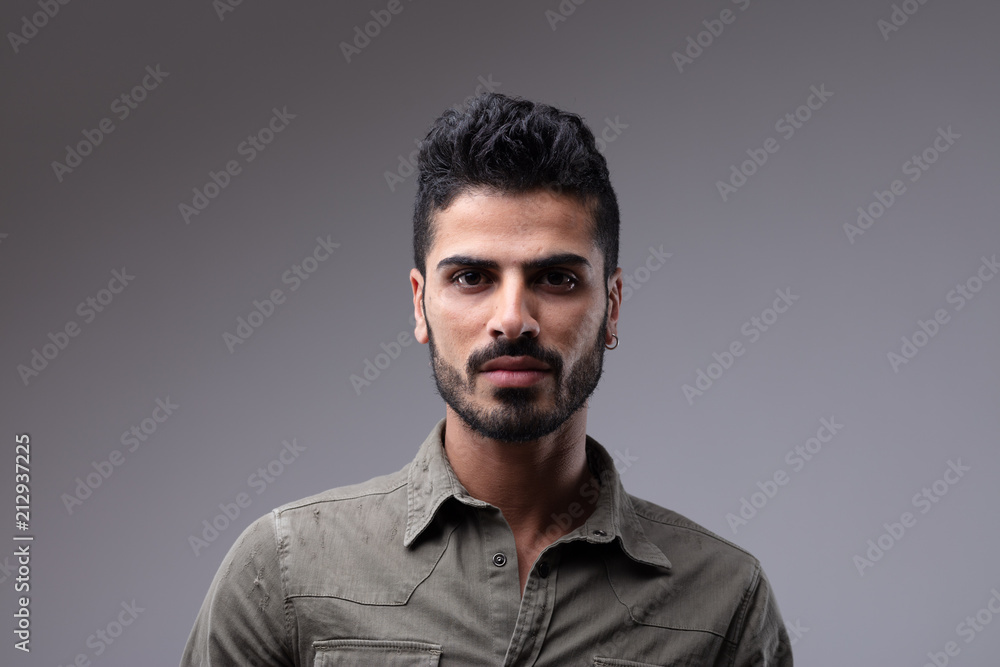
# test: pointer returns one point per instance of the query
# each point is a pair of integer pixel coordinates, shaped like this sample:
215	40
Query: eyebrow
559	259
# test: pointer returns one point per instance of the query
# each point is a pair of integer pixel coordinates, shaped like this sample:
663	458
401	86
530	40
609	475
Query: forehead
487	223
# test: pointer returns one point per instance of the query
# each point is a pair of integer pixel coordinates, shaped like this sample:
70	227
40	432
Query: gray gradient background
325	175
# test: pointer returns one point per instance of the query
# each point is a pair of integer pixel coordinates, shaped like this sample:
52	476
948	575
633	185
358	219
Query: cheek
577	337
456	334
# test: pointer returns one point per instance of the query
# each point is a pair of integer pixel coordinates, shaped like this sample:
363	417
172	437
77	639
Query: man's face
516	311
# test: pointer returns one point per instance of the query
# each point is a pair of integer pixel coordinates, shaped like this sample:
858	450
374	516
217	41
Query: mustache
518	347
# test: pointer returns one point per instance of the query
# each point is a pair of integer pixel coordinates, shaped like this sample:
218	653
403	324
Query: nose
513	311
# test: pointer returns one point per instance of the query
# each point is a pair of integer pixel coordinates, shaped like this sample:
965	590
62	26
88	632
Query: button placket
499	568
535	612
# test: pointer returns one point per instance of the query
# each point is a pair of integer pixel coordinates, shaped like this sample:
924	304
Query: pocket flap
382	652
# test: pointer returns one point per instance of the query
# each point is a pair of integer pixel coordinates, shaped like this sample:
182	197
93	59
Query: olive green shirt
409	569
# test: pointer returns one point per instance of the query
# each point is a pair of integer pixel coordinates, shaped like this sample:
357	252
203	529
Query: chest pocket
381	652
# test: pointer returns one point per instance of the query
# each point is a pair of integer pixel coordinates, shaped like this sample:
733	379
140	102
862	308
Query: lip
520	371
515	378
523	363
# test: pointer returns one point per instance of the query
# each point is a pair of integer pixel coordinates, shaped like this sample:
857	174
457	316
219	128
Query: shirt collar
432	480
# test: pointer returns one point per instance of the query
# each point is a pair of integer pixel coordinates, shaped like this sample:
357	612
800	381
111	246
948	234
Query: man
509	540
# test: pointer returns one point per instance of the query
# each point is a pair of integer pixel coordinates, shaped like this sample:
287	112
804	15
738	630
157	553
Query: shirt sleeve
242	621
763	640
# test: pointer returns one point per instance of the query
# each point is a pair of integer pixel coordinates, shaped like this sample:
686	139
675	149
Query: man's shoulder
347	542
713	585
294	516
372	490
685	542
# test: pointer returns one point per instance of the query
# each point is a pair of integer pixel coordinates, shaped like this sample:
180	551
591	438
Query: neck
528	481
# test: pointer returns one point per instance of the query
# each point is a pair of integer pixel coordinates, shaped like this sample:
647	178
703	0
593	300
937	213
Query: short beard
519	419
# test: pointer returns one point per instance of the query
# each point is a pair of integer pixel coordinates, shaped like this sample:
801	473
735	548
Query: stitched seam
742	614
703	531
384	604
607	571
286	602
377	492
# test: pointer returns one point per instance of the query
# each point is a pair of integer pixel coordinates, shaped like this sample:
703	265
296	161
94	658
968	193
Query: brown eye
560	279
468	278
557	278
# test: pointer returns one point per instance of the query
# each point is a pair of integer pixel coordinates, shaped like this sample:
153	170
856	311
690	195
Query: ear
420	328
614	304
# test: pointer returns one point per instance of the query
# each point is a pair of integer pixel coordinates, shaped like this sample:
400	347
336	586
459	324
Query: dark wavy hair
511	145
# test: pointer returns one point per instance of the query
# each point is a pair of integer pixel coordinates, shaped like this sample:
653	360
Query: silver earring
611	347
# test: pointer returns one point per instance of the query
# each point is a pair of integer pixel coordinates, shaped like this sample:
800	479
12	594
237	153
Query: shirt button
543	570
600	533
499	560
